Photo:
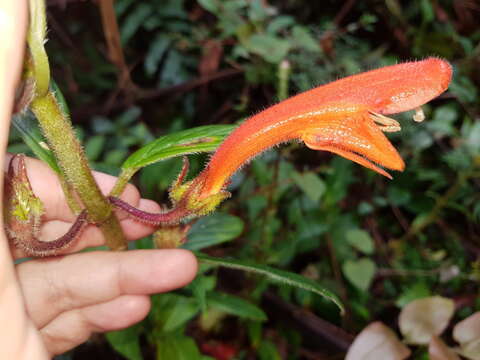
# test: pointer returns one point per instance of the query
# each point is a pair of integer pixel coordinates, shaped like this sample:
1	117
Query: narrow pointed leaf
191	141
178	347
213	230
235	306
26	125
274	275
127	342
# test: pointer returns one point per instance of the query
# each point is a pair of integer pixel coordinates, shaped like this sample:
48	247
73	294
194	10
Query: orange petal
356	138
350	156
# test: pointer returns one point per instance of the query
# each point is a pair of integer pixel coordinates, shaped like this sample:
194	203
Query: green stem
59	133
69	193
122	181
36	38
283	78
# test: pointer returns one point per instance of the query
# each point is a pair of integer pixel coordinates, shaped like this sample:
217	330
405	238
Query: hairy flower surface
345	117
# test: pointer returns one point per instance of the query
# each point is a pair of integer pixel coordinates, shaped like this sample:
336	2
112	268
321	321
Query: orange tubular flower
346	117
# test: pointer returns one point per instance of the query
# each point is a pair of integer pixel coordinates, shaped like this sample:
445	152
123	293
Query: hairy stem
59	133
36	39
35	247
122	181
169	217
69	193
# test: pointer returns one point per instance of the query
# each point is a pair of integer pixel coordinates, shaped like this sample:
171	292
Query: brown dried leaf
467	329
471	350
423	318
437	350
377	341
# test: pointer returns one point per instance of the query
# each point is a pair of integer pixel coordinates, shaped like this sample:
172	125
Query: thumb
18	340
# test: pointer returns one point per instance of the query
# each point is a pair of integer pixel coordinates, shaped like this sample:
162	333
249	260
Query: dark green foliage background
376	243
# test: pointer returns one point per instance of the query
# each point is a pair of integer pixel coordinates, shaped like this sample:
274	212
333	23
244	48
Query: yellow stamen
385	124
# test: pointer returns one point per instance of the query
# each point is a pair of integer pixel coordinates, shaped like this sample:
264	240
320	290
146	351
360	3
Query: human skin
54	304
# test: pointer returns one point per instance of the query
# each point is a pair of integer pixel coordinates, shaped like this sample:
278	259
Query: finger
74	327
18	338
56	285
47	187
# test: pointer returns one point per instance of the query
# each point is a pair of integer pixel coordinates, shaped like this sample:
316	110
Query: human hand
48	306
69	297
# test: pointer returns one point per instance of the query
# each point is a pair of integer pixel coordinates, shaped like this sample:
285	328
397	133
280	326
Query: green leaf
464	89
174	68
155	53
458	159
26	125
212	230
258	11
60	98
126	342
94	147
270	48
416	291
210	5
134	21
171	311
427	11
234	305
303	38
261	171
177	347
129	116
360	240
274	275
256	204
195	140
399	196
473	138
280	22
200	286
311	184
420	220
255	333
360	272
268	351
337	181
442	121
